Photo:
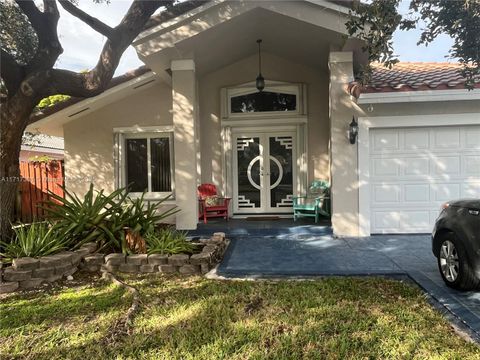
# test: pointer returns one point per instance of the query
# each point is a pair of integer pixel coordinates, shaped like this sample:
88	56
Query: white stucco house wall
196	117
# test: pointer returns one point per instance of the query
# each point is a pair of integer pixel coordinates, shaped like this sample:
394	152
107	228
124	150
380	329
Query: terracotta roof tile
411	76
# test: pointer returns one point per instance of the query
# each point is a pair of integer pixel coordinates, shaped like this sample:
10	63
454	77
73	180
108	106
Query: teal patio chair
315	203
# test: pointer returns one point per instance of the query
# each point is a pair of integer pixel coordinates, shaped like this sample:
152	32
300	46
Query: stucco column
185	140
344	156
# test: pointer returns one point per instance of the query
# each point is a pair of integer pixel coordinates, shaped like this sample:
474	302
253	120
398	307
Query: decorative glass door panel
281	172
249	181
264	172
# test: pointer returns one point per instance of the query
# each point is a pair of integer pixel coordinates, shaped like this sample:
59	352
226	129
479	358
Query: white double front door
264	172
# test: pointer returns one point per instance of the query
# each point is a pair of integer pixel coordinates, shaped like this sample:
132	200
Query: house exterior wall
345	214
89	140
276	69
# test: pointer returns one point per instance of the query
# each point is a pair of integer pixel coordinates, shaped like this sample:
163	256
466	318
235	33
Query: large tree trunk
28	84
14	115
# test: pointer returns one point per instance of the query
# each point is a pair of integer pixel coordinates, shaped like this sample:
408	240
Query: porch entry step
280	227
262	218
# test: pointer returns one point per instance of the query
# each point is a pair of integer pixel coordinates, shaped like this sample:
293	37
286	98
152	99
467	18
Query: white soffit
419	96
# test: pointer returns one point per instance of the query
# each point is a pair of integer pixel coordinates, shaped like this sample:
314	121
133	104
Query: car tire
453	264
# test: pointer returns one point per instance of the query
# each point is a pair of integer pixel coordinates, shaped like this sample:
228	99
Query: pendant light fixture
260	81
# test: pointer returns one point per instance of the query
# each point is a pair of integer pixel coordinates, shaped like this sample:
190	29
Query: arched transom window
263	101
276	98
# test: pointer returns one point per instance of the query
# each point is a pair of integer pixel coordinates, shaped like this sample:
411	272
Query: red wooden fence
37	179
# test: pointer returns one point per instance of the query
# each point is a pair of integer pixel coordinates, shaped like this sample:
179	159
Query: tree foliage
17	36
376	21
51	100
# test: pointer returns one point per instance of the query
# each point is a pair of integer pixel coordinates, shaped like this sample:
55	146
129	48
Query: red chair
210	204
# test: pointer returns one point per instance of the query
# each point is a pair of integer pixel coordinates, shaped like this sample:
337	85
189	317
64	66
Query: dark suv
456	244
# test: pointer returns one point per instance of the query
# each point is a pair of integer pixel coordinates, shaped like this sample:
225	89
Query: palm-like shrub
84	220
168	241
105	218
37	239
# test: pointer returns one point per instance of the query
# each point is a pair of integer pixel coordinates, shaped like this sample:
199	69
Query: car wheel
453	264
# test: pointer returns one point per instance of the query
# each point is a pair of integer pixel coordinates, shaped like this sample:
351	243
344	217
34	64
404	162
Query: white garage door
414	170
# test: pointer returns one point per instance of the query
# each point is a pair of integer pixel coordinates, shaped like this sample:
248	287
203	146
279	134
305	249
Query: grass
194	318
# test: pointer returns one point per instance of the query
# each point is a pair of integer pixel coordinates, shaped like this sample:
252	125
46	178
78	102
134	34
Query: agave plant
84	220
105	219
168	241
37	239
141	215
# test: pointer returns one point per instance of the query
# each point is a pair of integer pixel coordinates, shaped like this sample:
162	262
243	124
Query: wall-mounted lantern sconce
353	131
260	81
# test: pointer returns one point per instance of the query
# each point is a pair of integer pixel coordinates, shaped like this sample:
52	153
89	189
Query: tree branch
96	80
33	14
50	6
91	21
123	326
11	73
45	26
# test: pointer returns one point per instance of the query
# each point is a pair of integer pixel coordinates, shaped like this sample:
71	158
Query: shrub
37	239
84	220
105	218
168	241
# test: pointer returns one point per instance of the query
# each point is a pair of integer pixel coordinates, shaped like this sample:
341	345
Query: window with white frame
146	162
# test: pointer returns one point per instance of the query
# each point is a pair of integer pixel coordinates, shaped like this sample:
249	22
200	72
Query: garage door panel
415	220
472	139
446	138
415	140
415	193
446	191
385	167
414	170
386	220
386	193
386	140
472	165
471	189
402	221
416	166
447	165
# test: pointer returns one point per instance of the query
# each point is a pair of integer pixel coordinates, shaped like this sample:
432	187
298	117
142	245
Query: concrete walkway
316	253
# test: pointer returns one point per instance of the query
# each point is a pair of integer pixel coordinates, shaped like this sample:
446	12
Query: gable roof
413	76
188	5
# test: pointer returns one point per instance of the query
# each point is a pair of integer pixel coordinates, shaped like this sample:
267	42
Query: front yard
194	318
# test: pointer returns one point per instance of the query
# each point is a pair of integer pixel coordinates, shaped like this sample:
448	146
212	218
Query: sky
82	45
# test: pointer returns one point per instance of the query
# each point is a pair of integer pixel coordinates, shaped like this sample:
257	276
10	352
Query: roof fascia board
167	26
90	102
170	27
418	96
330	5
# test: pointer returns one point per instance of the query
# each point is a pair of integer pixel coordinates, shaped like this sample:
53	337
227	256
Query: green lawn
334	318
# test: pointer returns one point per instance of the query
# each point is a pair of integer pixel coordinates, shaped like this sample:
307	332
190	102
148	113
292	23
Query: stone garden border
29	273
201	263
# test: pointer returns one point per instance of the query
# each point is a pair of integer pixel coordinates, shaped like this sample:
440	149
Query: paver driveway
306	254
